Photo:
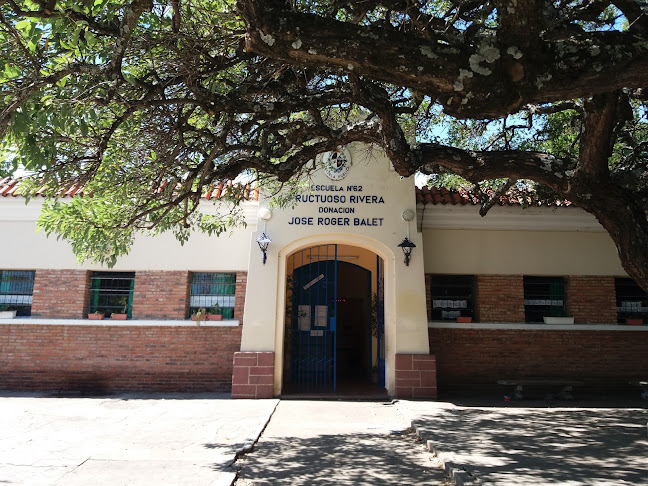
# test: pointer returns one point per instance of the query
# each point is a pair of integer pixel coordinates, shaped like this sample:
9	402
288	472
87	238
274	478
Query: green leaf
23	25
84	127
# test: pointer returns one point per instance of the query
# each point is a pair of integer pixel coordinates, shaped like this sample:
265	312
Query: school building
365	283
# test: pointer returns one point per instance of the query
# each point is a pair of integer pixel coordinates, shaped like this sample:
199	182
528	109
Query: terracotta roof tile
10	186
432	195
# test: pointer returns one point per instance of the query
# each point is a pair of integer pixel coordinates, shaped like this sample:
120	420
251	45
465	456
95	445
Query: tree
172	97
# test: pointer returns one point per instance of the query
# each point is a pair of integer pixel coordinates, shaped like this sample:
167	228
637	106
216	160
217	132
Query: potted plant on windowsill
199	315
6	312
215	313
97	316
634	320
120	316
558	316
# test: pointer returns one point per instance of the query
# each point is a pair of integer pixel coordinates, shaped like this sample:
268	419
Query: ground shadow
523	444
353	459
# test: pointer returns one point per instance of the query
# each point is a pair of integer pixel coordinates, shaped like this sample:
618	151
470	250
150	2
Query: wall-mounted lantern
407	247
263	241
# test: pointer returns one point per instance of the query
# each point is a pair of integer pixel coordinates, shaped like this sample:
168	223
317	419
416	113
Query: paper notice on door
304	317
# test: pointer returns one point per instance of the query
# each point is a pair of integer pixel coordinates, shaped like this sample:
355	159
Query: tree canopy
148	103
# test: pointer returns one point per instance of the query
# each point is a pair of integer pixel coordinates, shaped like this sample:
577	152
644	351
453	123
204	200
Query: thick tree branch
596	141
489	80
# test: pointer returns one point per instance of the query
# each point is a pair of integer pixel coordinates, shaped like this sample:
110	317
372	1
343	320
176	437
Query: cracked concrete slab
126	439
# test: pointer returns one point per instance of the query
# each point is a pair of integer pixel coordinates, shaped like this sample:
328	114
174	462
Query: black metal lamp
263	242
407	247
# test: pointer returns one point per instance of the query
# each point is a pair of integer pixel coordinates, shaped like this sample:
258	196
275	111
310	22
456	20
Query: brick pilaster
428	295
416	376
591	299
161	295
500	298
241	284
253	375
61	294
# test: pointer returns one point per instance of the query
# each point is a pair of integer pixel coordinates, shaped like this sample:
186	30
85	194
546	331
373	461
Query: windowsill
535	327
128	322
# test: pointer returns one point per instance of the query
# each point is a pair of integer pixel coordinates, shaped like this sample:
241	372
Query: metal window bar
209	289
452	297
544	296
112	292
631	301
16	289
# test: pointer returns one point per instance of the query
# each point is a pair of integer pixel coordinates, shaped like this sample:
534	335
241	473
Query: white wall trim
110	322
523	326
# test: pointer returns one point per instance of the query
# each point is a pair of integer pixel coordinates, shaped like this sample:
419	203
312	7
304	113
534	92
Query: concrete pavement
590	443
185	439
341	443
127	439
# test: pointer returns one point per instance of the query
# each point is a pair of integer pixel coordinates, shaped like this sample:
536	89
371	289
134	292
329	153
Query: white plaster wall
405	312
21	247
520	252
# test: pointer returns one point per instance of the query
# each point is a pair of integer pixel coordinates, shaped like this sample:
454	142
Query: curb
458	473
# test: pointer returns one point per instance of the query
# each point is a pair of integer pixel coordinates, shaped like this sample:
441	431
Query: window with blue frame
16	289
112	292
210	290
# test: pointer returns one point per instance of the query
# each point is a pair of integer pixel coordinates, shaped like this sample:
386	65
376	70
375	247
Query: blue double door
335	324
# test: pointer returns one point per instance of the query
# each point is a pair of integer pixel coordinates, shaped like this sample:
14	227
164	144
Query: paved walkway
531	443
176	440
339	443
194	440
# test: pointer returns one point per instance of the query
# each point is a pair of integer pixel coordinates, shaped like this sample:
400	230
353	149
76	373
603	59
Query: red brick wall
61	294
428	295
500	298
415	376
591	299
104	359
161	295
241	284
602	359
253	375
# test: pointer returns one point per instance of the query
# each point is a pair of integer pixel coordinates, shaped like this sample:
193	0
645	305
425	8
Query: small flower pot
118	317
464	320
214	317
558	320
96	316
202	318
8	314
634	321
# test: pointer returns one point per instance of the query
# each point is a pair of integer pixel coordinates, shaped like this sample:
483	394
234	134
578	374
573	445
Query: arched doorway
334	340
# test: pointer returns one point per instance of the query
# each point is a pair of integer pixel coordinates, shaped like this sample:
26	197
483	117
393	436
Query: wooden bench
643	386
564	387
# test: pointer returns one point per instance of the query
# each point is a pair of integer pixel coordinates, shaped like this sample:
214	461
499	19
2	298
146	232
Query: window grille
209	289
452	296
16	289
544	296
112	292
631	301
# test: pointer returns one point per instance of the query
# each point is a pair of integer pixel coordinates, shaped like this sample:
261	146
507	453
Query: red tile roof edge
432	195
9	187
424	195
